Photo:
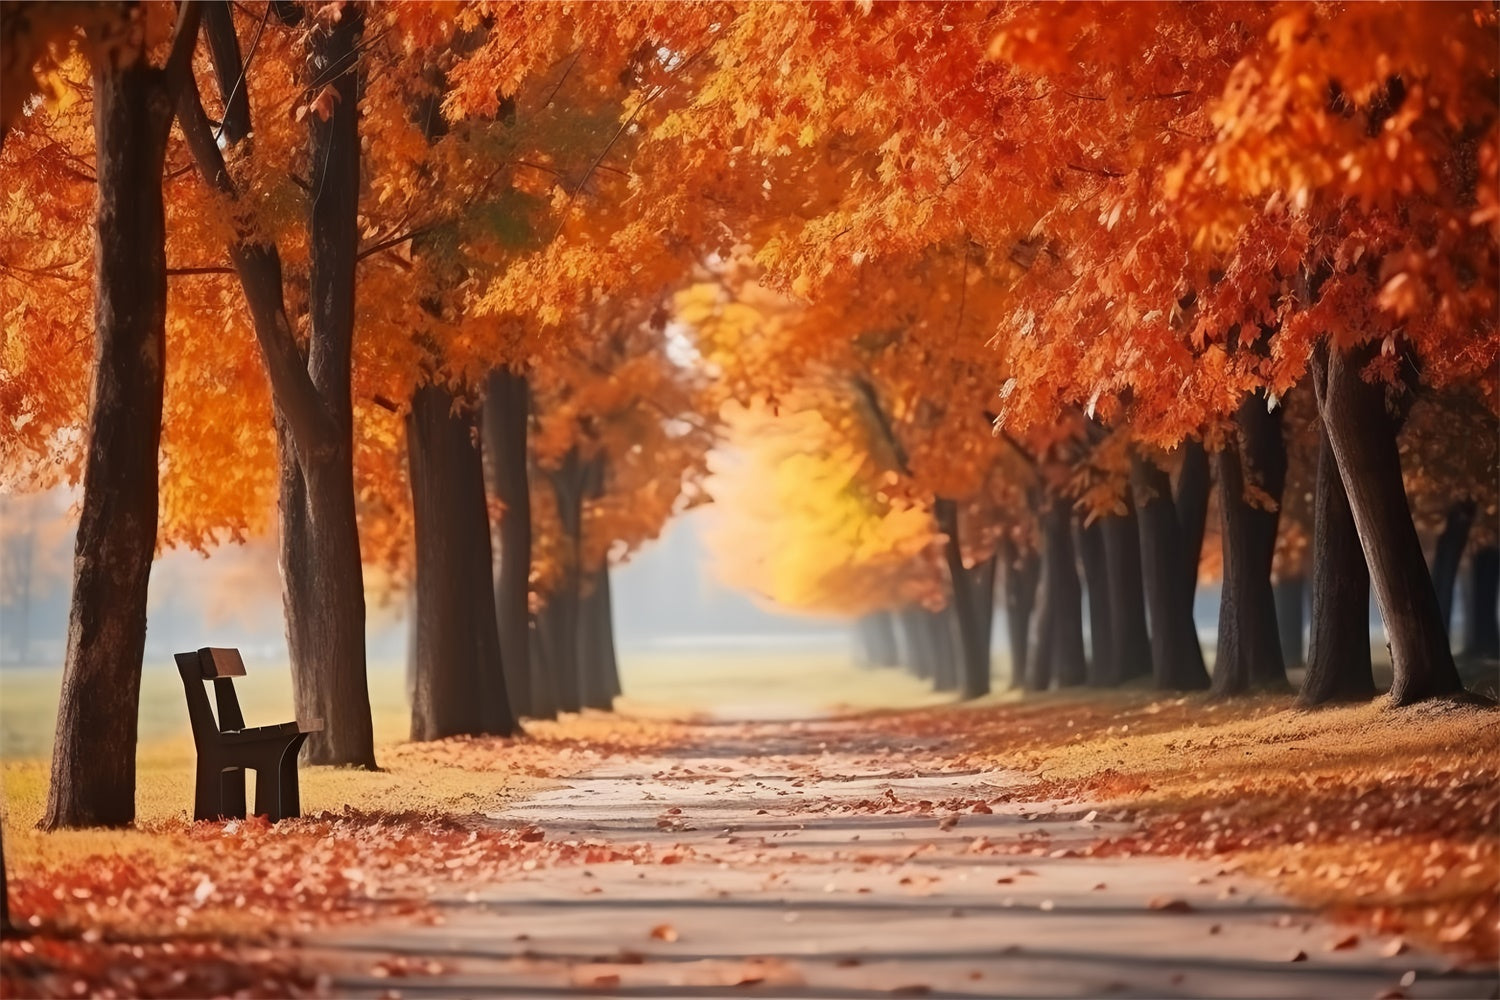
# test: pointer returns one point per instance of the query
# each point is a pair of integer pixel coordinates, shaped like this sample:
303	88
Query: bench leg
266	797
208	790
291	794
232	792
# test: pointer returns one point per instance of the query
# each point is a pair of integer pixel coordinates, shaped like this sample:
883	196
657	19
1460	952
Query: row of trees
1027	262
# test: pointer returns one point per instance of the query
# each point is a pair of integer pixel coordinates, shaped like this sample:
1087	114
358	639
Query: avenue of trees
1012	303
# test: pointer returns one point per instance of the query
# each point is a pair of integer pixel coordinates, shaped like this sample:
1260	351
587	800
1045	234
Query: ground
1070	843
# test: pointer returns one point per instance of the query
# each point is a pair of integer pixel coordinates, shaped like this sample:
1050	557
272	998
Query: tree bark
947	670
1364	442
1176	657
460	685
1448	554
973	622
1249	649
1290	592
609	659
1127	602
917	654
594	685
1023	572
320	564
1060	660
559	619
507	410
876	634
946	647
1338	654
1193	485
93	756
1482	622
1104	647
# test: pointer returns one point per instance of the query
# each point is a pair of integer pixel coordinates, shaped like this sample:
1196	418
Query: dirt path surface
803	859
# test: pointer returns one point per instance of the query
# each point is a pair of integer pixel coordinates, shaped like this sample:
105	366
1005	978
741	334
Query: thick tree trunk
1338	653
1127	602
460	685
1290	592
1482	627
1023	570
1364	442
1249	651
594	685
93	757
559	619
323	579
946	647
1062	600
982	591
1176	657
1193	485
947	668
973	622
323	589
1104	647
507	408
875	633
1447	555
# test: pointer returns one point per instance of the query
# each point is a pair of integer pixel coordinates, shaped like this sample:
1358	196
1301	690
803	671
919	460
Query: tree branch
883	424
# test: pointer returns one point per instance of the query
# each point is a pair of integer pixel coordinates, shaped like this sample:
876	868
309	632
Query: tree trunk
1447	555
1104	647
1062	600
609	660
1193	485
1338	653
1176	657
559	619
507	408
1127	603
982	592
876	635
1364	442
1290	593
1023	571
1249	652
323	589
1482	626
93	757
460	685
947	671
593	682
946	646
917	654
973	624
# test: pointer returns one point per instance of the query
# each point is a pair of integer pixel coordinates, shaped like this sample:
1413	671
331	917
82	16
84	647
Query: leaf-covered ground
1388	819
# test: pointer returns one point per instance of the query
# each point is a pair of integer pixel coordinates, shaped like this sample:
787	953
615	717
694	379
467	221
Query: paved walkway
800	862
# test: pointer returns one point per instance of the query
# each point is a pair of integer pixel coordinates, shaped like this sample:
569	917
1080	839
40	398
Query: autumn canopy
991	303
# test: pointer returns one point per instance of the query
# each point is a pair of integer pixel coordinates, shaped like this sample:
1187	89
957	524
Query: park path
806	859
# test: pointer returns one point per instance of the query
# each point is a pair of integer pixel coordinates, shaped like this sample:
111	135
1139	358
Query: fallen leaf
664	932
1168	905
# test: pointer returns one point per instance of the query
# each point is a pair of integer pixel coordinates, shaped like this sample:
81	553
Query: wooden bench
227	749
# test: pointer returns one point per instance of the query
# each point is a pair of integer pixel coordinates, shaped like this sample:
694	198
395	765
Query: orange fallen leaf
664	932
1344	943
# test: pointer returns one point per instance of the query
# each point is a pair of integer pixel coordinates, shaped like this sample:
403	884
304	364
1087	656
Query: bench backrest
220	666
